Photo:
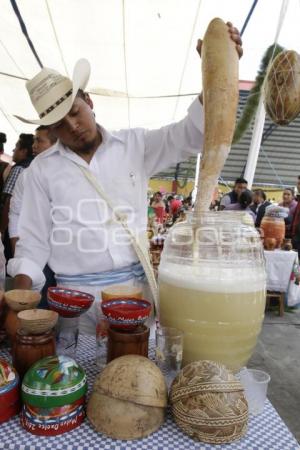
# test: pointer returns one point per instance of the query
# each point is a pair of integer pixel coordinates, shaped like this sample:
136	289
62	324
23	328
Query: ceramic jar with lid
53	392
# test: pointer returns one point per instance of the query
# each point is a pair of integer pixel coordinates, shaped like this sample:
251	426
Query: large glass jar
212	286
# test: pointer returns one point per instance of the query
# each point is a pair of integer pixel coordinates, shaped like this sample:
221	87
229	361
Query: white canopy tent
142	50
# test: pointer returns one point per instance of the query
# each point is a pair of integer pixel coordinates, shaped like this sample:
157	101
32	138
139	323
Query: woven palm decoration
282	88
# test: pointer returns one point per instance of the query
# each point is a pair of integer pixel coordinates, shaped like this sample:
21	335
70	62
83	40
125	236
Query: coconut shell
282	88
37	321
208	403
133	378
21	299
128	399
120	419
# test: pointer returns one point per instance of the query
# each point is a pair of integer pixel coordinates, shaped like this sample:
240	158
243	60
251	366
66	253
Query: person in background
295	226
243	204
159	207
22	156
174	205
290	203
43	139
232	197
259	205
4	166
187	203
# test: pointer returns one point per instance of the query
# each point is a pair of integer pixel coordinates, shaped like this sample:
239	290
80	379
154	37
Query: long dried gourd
220	100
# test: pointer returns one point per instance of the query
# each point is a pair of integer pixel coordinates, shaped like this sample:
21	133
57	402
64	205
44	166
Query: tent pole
255	143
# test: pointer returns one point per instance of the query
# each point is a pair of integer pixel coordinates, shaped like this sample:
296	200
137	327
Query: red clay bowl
126	313
69	302
9	383
9	391
9	411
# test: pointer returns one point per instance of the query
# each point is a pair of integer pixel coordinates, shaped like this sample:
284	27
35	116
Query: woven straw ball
208	403
282	88
128	399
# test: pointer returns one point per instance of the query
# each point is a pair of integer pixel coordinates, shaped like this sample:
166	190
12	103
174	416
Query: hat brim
81	74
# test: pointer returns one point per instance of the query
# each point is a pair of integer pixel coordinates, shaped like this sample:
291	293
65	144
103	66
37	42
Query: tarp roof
278	161
143	48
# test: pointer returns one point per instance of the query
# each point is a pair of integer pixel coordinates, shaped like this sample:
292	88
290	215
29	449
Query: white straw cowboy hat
53	94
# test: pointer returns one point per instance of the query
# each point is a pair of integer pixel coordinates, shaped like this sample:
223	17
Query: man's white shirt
63	220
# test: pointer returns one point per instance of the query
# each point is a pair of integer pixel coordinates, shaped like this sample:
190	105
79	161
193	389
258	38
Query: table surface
279	266
265	431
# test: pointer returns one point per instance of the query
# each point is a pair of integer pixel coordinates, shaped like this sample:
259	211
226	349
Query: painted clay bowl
54	381
52	424
20	299
37	321
9	391
69	302
126	313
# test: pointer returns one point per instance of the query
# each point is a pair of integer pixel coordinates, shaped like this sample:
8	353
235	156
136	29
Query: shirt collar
58	147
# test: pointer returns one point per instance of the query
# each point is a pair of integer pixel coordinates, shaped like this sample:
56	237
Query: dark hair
291	190
170	197
245	198
50	134
158	193
26	141
240	181
2	141
261	193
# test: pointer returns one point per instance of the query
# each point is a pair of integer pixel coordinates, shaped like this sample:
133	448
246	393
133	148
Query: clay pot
128	399
121	342
28	349
208	403
273	227
270	243
11	324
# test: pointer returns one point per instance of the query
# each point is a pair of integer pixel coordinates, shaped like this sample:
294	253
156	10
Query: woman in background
244	202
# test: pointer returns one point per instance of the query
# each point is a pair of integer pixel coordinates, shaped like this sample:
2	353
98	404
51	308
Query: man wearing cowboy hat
64	221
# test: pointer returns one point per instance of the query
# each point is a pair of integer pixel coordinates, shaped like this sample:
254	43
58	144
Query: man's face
287	196
239	188
19	154
256	198
41	142
77	130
